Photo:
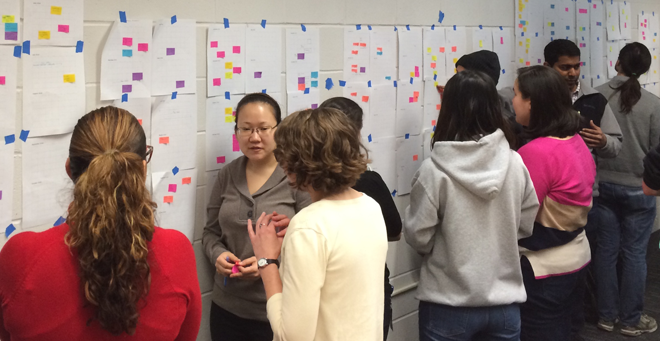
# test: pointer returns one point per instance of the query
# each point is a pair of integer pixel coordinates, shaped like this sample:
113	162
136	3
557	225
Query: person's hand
265	242
594	137
222	266
281	222
247	269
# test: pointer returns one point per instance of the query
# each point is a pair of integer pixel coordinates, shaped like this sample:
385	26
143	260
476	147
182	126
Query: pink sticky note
610	63
237	69
2	80
566	9
416	68
171	188
411	100
217	81
235	146
416	73
502	40
127	41
234	269
625	25
63	28
583	10
221	54
594	5
237	49
214	44
143	47
220	159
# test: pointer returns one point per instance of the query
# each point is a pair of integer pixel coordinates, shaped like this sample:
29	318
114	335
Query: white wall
329	16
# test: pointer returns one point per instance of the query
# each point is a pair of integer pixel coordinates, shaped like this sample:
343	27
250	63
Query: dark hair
348	107
111	218
471	107
259	97
552	112
322	149
558	48
634	60
484	61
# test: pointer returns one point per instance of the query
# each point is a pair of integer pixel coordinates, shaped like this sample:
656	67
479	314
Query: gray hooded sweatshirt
470	204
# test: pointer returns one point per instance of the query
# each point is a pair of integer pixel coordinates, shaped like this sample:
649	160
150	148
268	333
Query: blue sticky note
598	38
369	137
122	16
173	20
394	193
127	53
433	128
9	230
26	47
454	27
389	78
9	139
568	27
124	97
433	27
435	77
407	136
24	135
395	29
11	27
501	29
358	27
175	170
552	6
263	91
411	80
315	74
598	76
17	51
59	221
263	23
395	84
79	46
522	34
226	22
306	91
369	83
304	29
174	94
481	27
369	27
315	84
328	83
408	27
503	71
342	83
441	17
227	95
537	34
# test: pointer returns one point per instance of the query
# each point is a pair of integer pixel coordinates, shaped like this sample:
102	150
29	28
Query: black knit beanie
484	61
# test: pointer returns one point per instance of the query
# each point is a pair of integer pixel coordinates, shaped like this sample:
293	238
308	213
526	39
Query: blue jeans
625	220
439	322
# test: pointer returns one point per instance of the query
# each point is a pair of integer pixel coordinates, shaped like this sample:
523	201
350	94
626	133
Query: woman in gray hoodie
470	203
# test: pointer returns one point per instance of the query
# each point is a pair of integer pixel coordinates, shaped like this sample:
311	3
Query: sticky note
230	119
11	36
229	65
143	47
314	105
173	20
229	75
63	28
217	82
352	52
481	43
170	51
226	22
137	76
365	99
164	140
175	170
236	49
140	121
220	159
237	69
79	46
306	91
301	80
235	146
429	50
9	230
263	23
353	94
363	69
180	84
434	58
174	93
171	188
501	40
583	11
412	74
44	35
415	157
214	44
55	10
433	65
453	49
9	139
411	100
315	74
2	80
24	135
127	53
124	97
227	95
437	107
363	44
301	56
220	54
69	78
168	199
416	94
342	83
315	84
8	19
122	16
126	88
455	60
442	50
186	181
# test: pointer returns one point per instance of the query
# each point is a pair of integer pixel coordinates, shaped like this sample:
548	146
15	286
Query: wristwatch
263	262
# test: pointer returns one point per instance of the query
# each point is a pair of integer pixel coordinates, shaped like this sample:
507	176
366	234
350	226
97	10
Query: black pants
226	326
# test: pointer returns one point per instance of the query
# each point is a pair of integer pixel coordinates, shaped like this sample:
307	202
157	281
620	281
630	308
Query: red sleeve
536	160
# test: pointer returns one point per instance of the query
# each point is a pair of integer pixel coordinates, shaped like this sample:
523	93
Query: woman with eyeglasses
245	188
107	273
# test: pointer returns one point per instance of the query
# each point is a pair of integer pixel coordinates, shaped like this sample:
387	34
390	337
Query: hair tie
634	74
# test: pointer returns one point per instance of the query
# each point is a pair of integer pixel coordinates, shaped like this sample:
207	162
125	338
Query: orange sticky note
353	94
140	120
442	50
356	44
354	51
416	94
433	122
415	157
168	199
301	87
164	140
365	98
437	107
433	65
186	181
363	44
453	49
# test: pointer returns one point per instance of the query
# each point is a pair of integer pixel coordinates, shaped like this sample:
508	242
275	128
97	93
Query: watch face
262	262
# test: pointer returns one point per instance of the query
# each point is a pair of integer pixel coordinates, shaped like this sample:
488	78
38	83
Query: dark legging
226	326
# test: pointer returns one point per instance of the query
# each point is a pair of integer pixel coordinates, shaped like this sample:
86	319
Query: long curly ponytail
112	215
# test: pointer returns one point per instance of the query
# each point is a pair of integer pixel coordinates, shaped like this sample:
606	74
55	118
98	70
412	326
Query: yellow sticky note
623	11
519	16
434	58
229	65
522	61
481	43
436	84
610	48
613	28
44	35
525	29
528	41
520	43
428	49
435	72
412	74
228	111
229	119
229	75
56	10
549	24
8	19
455	60
70	78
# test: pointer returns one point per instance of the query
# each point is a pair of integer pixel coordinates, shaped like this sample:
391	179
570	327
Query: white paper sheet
612	57
598	39
503	46
302	60
221	144
10	14
299	100
141	109
409	111
263	60
409	157
625	20
8	77
175	196
357	47
225	58
382	110
383	55
411	64
482	39
47	189
174	132
559	18
382	153
456	47
6	184
53	22
174	57
53	90
434	55
583	28
126	61
360	93
612	20
431	105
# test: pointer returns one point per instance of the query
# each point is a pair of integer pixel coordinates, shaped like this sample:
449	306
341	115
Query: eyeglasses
150	152
261	131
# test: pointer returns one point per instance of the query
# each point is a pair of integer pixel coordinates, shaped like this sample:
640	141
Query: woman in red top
108	273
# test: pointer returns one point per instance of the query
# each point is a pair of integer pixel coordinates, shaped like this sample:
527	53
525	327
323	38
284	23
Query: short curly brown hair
322	149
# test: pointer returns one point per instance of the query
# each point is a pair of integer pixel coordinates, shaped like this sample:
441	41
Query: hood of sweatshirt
479	166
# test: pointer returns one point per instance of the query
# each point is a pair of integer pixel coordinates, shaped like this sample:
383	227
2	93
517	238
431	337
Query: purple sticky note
137	76
170	51
363	69
11	36
257	74
126	88
314	106
180	84
301	56
0	195
301	80
171	188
